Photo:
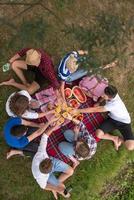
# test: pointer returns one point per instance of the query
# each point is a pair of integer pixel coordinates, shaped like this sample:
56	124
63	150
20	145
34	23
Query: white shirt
118	110
29	114
41	154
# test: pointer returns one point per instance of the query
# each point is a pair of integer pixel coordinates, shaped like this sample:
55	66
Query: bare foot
9	82
110	65
66	196
13	152
55	194
117	143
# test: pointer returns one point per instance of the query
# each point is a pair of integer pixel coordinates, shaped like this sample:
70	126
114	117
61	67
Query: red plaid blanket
91	121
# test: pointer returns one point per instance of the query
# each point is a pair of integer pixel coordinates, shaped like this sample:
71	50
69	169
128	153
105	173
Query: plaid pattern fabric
46	66
91	121
45	96
90	140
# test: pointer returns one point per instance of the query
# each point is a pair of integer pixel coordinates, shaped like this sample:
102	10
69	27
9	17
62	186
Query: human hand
67	116
53	119
50	112
96	105
74	112
76	129
75	164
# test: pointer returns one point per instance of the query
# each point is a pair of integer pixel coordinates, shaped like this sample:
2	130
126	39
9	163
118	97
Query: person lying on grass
20	134
44	167
118	118
68	68
21	104
37	61
79	145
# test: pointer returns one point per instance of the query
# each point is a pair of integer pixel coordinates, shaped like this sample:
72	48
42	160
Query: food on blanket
58	109
79	117
68	93
69	109
65	114
80	96
61	120
74	103
57	115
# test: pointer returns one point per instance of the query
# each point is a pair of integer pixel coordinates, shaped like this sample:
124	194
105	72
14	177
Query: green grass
105	29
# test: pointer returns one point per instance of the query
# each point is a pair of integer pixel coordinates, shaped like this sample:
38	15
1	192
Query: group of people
20	131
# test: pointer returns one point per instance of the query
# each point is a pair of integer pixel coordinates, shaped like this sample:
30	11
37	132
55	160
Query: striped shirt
63	71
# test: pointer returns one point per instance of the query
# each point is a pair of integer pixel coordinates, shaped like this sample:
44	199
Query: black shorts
32	146
38	76
110	125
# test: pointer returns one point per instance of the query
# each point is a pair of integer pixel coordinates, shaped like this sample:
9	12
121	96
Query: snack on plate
65	114
61	120
78	93
74	103
68	93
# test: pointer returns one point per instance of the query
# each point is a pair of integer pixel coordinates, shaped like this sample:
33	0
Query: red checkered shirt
46	66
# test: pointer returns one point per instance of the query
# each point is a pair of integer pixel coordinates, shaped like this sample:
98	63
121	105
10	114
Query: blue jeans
76	75
67	148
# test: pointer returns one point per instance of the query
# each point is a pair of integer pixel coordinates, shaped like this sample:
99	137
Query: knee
99	133
14	65
70	171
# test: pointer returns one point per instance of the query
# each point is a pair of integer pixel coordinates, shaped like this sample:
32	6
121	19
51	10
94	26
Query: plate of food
79	94
74	103
68	93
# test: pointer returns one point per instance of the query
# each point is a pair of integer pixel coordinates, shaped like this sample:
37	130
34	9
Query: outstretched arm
41	130
93	109
89	110
29	123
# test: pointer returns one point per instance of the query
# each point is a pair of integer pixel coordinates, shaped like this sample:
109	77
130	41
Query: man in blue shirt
18	136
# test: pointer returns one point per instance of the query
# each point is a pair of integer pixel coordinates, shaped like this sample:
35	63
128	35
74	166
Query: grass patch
106	37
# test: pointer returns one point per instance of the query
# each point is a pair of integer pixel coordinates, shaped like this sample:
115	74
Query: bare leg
18	66
31	88
66	174
115	139
55	194
13	152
